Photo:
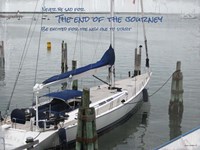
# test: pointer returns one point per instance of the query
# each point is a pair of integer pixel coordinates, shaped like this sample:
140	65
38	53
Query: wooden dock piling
2	63
64	65
75	82
2	59
177	84
137	70
86	131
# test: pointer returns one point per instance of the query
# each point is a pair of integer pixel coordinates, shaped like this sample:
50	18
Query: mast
145	38
111	68
112	23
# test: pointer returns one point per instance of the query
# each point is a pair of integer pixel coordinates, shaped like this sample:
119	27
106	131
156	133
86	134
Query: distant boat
189	16
45	121
188	141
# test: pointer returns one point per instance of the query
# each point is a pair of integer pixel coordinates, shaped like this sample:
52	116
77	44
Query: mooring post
64	66
137	70
177	84
176	102
2	62
48	46
75	82
86	138
1	118
2	59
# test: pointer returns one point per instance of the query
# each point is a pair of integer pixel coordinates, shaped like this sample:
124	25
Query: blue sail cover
64	95
107	59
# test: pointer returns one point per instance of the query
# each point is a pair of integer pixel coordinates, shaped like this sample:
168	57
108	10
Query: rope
162	85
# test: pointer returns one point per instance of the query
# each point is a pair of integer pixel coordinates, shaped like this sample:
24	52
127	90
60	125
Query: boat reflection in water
134	129
2	64
175	119
2	76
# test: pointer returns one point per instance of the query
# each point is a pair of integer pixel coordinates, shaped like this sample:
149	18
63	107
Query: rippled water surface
173	40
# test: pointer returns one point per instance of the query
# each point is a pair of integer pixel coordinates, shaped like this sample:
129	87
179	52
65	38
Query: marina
176	40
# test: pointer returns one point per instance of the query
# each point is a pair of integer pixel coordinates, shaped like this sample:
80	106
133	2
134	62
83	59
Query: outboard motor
62	139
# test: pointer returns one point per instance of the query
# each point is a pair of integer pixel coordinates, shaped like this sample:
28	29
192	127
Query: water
172	40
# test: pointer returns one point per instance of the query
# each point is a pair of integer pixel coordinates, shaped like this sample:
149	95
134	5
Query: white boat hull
108	120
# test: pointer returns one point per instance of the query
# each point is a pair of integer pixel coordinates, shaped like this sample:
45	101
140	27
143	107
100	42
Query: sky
158	6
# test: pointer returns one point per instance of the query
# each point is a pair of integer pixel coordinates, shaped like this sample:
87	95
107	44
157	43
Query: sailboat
54	121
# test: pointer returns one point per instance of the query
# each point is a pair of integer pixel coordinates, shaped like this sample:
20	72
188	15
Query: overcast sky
162	6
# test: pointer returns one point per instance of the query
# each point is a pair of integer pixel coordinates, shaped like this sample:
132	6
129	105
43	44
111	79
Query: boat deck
103	99
131	85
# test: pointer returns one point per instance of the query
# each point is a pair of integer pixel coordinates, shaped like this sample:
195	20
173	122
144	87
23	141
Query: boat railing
14	123
2	142
44	124
106	106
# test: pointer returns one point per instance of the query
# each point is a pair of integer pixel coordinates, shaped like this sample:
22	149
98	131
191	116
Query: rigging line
24	53
38	52
94	37
97	44
80	49
77	33
112	22
137	31
37	135
100	80
32	33
29	46
27	38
